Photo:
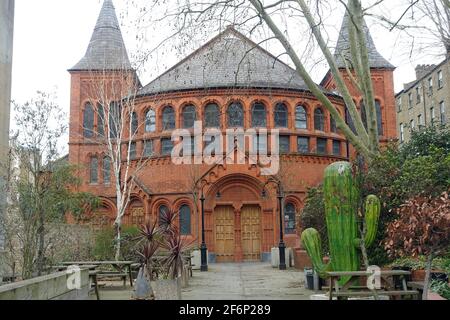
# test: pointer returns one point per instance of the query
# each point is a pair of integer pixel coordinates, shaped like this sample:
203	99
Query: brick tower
103	71
382	72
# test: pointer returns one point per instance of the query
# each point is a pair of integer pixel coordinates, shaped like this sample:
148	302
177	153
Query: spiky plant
177	246
168	223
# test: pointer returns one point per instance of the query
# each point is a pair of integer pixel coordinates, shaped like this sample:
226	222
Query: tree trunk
41	244
118	241
426	284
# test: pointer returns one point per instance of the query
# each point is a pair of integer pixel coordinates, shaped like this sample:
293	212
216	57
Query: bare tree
112	97
273	19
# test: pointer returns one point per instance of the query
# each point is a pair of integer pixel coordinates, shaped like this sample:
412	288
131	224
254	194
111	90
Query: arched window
185	220
319	120
235	115
150	121
289	218
163	210
301	118
259	115
379	118
106	170
93	170
115	119
134	124
168	118
333	127
88	121
189	116
281	116
212	116
101	120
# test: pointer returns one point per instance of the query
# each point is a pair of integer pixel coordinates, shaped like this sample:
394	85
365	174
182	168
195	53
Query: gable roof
229	60
376	60
106	50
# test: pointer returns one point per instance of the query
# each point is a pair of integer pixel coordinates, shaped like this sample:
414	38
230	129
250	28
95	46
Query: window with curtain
301	118
189	116
289	218
150	121
212	116
106	170
185	220
134	123
259	115
319	120
88	121
235	115
281	116
93	169
168	118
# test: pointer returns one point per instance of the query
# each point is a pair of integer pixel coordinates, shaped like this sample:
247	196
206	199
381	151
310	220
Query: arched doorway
237	219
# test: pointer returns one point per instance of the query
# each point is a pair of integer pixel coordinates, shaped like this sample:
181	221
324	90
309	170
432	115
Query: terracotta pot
418	275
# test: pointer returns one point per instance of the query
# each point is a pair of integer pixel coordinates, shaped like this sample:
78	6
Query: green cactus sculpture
341	209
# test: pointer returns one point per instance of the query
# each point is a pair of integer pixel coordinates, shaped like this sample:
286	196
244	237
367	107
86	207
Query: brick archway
235	215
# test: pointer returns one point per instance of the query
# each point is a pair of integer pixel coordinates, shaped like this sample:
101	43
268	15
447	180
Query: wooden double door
226	236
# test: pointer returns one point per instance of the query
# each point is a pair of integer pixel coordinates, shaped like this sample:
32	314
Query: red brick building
225	85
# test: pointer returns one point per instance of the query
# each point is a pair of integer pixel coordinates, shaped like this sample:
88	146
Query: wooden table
387	284
118	265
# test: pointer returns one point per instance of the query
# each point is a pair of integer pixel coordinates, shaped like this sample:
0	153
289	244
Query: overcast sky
52	35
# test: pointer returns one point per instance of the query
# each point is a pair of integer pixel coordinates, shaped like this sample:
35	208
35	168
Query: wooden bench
112	274
387	287
378	292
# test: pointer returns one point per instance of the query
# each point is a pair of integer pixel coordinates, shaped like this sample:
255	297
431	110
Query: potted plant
149	242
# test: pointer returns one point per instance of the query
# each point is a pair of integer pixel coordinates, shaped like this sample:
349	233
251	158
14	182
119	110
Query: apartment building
424	101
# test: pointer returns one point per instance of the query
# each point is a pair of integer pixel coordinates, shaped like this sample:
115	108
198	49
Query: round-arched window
289	218
281	116
319	120
189	116
301	119
185	220
235	115
168	119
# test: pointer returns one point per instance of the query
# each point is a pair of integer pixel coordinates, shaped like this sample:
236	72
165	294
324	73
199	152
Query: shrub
104	244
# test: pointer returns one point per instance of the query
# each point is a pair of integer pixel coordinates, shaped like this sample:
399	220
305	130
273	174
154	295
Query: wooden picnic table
118	265
387	284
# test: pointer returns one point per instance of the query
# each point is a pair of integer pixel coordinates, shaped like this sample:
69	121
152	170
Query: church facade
224	85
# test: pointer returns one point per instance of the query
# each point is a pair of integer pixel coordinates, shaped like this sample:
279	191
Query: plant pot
142	287
167	289
418	275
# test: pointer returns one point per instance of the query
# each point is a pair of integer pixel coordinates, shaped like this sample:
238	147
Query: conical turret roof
376	60
106	50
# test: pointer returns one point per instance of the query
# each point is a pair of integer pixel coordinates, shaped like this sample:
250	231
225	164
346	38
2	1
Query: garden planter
167	289
197	259
142	287
288	257
418	275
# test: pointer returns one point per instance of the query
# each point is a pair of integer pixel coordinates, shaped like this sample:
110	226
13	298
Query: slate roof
229	60
343	48
106	50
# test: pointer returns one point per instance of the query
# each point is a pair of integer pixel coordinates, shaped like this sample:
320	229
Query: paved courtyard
244	281
235	281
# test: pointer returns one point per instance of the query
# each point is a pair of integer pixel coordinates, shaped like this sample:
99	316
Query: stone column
6	49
